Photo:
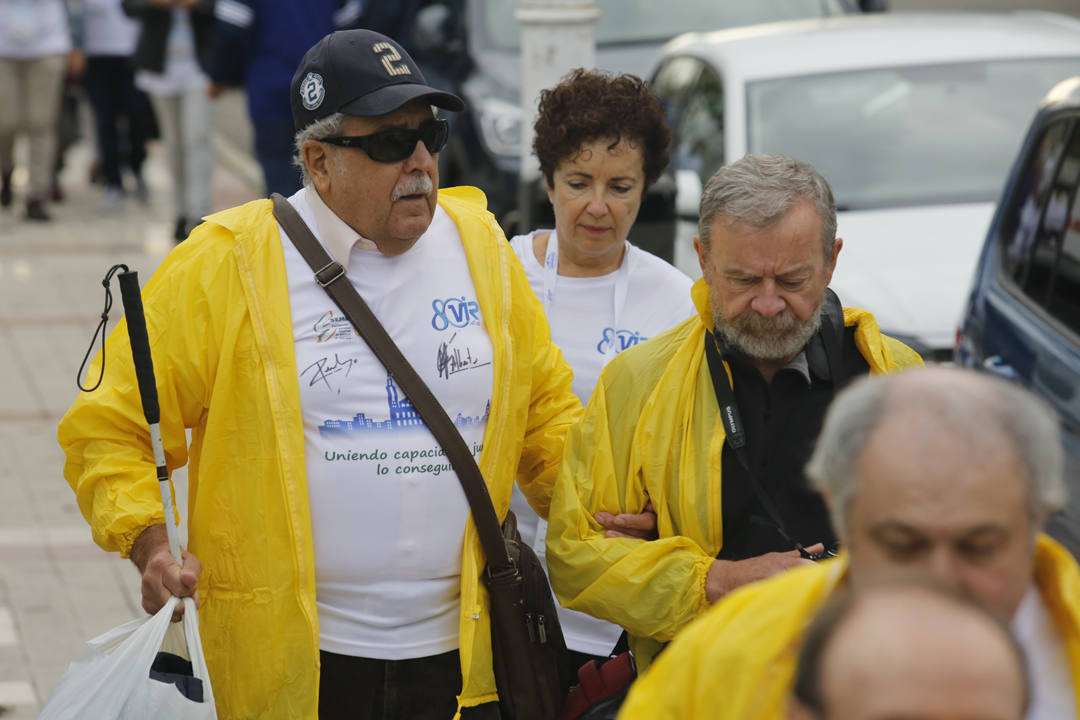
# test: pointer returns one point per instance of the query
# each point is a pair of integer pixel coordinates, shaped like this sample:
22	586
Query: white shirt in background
182	71
388	513
593	319
1052	694
33	28
107	30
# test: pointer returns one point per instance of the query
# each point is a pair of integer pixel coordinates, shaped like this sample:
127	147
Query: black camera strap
831	333
735	433
832	339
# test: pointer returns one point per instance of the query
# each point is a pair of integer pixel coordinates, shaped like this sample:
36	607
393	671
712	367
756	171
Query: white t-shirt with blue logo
593	319
582	311
388	513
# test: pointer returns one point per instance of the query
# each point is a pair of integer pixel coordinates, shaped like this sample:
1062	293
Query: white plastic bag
110	679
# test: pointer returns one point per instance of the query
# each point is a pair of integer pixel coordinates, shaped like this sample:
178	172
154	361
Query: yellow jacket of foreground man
738	661
222	341
652	431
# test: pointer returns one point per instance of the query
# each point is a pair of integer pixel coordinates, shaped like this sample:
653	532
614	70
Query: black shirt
782	420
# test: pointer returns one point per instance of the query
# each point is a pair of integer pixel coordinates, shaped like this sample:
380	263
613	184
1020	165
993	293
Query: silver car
913	119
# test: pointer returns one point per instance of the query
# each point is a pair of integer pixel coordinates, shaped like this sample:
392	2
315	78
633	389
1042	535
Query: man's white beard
760	338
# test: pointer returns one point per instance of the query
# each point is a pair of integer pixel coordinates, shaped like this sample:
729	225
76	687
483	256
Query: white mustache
414	184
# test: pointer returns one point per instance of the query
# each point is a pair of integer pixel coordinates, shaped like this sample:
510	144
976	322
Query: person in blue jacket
258	44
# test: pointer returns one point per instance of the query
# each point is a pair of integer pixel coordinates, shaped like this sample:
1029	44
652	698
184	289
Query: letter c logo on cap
312	91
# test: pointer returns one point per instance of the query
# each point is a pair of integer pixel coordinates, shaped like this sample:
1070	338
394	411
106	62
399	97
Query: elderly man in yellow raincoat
329	537
770	345
942	473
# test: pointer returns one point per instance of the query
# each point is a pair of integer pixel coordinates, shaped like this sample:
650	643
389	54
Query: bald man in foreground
916	651
938	472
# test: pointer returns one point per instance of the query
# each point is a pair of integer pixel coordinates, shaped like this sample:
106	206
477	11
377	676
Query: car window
1040	236
638	21
1064	288
699	133
905	135
672	83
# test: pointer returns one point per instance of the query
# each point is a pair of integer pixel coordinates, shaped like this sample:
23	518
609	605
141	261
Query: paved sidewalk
57	589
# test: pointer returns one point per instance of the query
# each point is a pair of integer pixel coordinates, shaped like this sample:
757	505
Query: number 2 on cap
390	55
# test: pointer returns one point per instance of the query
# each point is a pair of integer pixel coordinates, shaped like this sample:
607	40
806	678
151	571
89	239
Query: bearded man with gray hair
941	474
713	420
330	538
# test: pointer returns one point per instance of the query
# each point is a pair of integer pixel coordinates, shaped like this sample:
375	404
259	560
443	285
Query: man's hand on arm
162	577
727	575
640	526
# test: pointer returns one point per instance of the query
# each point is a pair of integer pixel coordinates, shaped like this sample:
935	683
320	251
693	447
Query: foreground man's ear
317	160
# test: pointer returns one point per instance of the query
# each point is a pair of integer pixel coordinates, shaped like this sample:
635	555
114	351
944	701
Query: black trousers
121	114
354	688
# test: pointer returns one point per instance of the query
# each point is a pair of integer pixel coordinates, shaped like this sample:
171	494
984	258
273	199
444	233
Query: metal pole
556	37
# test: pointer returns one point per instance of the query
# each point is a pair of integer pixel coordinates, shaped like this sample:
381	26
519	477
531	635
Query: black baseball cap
359	72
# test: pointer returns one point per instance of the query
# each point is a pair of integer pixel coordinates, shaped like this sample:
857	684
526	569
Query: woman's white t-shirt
593	319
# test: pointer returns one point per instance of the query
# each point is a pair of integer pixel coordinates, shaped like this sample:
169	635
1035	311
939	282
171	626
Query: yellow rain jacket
221	331
652	431
738	661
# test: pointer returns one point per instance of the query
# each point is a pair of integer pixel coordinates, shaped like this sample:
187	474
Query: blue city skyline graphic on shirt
402	415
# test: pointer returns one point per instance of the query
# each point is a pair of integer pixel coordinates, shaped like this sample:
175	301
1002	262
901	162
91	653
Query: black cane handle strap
331	276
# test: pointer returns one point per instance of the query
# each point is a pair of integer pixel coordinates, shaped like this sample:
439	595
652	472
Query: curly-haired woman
601	141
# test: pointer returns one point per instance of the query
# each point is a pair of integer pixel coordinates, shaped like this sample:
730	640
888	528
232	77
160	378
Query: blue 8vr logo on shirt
454	312
618	340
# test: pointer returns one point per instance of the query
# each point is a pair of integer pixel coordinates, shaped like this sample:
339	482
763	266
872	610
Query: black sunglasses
388	146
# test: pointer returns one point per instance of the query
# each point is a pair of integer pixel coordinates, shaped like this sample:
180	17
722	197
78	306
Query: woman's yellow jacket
652	431
221	332
738	661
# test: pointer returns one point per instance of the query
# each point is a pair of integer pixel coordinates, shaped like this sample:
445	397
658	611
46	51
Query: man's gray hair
760	189
328	126
999	407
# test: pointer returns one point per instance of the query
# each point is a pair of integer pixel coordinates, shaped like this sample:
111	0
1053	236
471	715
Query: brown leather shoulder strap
331	276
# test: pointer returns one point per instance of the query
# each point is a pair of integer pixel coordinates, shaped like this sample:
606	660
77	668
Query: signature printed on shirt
323	371
451	360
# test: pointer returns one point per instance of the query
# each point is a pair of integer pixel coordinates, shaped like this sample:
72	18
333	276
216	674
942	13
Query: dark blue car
1022	320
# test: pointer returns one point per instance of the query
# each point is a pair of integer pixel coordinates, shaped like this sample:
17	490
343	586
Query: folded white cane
130	672
144	372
